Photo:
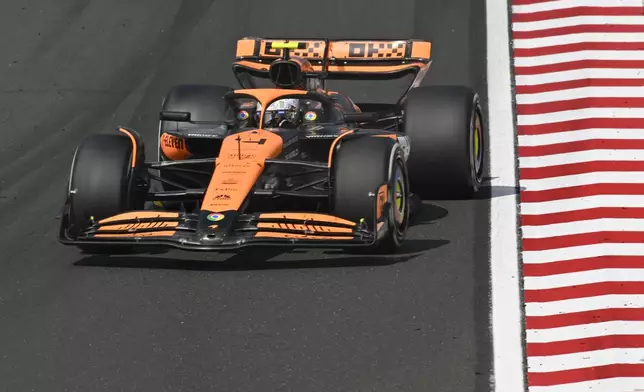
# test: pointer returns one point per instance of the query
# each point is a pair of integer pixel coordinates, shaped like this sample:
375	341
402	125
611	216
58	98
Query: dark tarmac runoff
263	321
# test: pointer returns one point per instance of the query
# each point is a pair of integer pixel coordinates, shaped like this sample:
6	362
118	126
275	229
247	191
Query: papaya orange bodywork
268	234
315	218
421	50
133	226
315	224
381	200
139	215
245	47
375	69
410	55
267	95
388	135
339	49
239	165
305	66
334	144
133	140
174	147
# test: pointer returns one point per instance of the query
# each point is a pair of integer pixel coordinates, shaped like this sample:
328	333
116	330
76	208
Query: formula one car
292	164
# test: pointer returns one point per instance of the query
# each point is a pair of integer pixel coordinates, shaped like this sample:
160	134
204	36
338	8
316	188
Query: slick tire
448	141
101	182
204	103
360	166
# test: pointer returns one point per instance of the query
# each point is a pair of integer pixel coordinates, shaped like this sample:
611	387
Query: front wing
202	232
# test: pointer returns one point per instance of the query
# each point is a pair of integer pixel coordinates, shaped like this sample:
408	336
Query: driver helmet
280	110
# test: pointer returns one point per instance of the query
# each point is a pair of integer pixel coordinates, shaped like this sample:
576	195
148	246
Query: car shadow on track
486	192
490	192
259	260
427	213
252	259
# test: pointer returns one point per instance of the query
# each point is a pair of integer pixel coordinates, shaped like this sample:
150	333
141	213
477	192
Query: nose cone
239	165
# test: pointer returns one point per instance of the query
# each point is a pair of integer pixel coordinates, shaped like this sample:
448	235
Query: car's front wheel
103	181
370	172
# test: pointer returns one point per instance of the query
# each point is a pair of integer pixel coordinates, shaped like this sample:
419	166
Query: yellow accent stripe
284	45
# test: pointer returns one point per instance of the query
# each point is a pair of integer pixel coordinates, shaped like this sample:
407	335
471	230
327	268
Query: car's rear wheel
448	141
103	182
360	167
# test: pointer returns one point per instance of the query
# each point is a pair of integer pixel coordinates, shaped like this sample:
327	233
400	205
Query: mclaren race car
288	164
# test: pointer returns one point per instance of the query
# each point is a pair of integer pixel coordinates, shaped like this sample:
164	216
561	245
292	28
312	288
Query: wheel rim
400	196
478	145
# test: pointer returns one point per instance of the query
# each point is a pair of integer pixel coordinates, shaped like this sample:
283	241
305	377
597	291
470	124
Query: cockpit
286	112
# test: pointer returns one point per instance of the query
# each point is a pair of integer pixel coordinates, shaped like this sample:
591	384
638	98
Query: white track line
507	325
587	359
582	252
563	4
582	156
531	43
633	20
579	114
566	57
582	203
582	92
635	302
585	134
583	277
617	384
583	179
586	73
581	227
573	332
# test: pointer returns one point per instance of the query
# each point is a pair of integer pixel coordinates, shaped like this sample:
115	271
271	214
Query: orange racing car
288	164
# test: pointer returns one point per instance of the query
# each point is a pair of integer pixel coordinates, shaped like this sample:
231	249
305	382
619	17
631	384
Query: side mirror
361	117
174	116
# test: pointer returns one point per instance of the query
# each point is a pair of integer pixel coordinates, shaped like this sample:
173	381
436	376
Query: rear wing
353	58
356	59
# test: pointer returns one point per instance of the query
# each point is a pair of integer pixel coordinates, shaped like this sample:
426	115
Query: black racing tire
204	102
360	166
102	182
448	141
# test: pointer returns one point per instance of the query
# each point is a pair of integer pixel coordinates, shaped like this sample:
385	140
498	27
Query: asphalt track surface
309	321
